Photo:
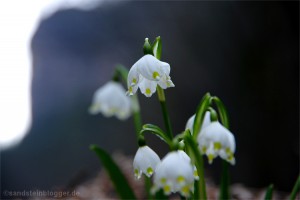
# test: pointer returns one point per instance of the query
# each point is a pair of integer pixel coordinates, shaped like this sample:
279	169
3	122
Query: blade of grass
115	174
269	192
295	190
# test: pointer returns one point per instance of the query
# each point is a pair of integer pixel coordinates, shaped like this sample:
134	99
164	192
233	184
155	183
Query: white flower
216	140
145	161
175	173
206	122
146	73
110	99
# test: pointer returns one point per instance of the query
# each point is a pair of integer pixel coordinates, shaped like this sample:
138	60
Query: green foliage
115	174
156	48
200	113
269	192
157	131
222	111
197	159
295	190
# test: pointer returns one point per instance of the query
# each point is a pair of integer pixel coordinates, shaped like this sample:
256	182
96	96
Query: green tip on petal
210	158
149	171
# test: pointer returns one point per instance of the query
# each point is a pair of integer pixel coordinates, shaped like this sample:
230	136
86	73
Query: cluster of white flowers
214	139
174	173
146	74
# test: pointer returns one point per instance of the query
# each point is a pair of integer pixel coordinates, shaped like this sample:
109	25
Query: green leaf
200	113
225	178
156	48
156	131
295	190
269	192
117	177
222	111
194	153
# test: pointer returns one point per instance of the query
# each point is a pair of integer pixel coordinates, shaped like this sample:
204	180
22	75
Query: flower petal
165	82
150	67
147	87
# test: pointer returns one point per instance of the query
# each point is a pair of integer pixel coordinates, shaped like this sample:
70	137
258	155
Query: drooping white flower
146	73
205	123
216	140
145	161
110	99
175	173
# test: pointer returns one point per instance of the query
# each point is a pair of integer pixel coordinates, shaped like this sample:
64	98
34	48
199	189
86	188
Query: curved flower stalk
175	173
216	140
110	100
146	74
145	161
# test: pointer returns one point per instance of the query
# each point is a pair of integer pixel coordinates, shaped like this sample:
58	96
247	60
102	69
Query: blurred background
247	53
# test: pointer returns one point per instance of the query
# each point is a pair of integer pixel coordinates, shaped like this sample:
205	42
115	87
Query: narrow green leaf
156	131
156	48
225	178
115	174
194	153
295	190
269	192
222	111
200	113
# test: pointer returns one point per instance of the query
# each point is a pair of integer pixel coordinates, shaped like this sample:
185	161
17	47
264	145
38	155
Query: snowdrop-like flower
216	140
145	161
206	122
175	173
110	99
146	73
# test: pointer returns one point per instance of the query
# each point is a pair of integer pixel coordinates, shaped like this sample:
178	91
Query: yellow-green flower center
148	91
134	81
149	170
155	75
217	146
185	190
180	179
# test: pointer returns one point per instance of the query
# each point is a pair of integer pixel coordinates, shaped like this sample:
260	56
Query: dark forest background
247	53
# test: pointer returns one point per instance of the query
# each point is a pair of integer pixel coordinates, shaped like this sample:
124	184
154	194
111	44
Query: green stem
137	119
225	179
195	154
162	100
201	177
295	190
148	187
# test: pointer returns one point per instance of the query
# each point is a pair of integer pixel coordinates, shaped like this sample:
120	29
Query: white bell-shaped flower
206	122
146	73
110	99
216	140
145	161
175	173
